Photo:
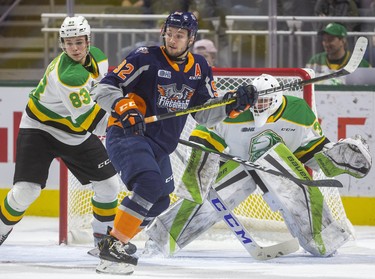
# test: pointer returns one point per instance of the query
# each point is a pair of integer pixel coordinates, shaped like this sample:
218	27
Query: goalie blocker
304	210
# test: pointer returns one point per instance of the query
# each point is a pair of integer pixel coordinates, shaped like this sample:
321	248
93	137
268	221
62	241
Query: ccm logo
127	105
103	164
231	221
169	179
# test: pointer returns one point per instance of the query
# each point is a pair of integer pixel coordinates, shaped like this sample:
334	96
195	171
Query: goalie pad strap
258	181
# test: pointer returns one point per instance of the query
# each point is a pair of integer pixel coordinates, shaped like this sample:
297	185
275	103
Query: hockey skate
4	236
113	257
129	247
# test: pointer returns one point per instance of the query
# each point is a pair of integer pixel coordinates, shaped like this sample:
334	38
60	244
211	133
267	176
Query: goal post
75	206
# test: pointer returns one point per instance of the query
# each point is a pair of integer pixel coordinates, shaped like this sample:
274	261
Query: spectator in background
211	15
207	49
335	55
129	3
138	6
338	8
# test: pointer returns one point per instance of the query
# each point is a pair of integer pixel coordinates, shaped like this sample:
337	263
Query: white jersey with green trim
293	124
61	104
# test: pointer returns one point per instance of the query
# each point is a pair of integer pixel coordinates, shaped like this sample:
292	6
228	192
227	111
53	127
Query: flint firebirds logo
173	99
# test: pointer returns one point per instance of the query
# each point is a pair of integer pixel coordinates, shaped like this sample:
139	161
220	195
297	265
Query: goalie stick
351	66
311	183
255	250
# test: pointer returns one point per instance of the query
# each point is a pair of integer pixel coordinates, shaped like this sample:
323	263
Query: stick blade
357	55
277	250
333	183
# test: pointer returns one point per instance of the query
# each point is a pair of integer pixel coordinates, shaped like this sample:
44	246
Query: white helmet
267	104
74	27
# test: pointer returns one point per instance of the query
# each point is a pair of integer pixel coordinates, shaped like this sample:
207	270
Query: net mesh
253	212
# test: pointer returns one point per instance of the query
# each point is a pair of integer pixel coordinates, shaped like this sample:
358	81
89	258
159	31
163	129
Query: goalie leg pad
333	236
198	176
351	156
185	220
304	210
172	230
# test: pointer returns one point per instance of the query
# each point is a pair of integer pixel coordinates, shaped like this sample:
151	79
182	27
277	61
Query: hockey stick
351	66
356	58
311	183
256	251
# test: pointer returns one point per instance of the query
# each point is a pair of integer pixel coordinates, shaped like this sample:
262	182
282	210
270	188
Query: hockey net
254	213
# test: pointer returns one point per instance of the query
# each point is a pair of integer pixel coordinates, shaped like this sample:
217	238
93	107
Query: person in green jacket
335	55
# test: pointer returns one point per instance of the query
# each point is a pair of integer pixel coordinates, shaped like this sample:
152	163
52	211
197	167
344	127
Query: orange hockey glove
132	120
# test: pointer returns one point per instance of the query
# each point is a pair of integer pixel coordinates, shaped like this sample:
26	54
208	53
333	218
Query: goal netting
255	214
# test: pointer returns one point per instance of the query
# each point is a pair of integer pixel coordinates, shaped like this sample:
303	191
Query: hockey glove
246	97
132	120
351	156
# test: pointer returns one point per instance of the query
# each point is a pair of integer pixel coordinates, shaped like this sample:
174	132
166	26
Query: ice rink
32	251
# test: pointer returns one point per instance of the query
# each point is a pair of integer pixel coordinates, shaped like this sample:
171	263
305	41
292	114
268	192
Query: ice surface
32	251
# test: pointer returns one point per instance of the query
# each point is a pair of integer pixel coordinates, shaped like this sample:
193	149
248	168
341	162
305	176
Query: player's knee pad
23	194
159	206
149	185
106	190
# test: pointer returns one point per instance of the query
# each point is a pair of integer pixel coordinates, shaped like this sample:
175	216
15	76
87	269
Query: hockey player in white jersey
61	120
282	128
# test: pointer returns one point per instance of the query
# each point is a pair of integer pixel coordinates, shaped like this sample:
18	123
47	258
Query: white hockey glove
351	156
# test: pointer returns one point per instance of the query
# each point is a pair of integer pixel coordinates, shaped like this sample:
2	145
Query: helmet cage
268	104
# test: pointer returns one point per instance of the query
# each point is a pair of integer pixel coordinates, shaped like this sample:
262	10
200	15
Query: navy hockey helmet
183	20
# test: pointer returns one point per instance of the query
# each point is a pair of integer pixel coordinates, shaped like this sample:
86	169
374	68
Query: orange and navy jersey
159	85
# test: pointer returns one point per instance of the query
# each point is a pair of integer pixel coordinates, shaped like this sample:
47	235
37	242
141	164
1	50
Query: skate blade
114	268
94	252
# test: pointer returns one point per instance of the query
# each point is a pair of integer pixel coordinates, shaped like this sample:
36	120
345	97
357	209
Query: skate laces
118	246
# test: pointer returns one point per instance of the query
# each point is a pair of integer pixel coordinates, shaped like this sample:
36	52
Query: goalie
278	131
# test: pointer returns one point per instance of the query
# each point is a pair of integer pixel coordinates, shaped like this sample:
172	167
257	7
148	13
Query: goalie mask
267	104
74	27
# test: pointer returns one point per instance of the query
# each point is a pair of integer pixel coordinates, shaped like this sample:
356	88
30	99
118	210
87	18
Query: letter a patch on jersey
198	71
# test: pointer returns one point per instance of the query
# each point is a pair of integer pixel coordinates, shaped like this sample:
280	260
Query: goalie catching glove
246	97
351	156
127	112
